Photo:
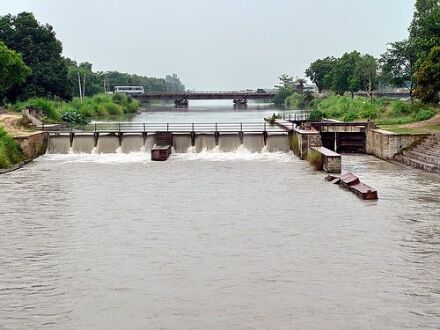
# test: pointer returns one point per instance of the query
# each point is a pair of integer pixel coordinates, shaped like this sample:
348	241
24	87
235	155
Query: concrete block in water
278	143
58	144
229	142
132	143
181	142
253	142
205	142
83	143
107	144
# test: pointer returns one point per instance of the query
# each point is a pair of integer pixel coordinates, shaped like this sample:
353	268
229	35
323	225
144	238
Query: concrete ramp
205	142
181	142
58	144
83	143
278	143
229	142
107	144
253	142
132	143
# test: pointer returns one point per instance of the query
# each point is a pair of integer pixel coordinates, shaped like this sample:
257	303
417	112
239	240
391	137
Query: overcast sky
218	44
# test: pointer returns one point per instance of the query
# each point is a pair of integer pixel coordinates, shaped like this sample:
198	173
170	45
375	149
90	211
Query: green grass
77	112
10	152
406	130
315	158
381	111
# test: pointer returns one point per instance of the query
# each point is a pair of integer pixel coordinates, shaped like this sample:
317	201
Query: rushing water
216	240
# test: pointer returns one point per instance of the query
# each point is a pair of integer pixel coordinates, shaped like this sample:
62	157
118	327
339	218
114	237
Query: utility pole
79	86
105	88
84	86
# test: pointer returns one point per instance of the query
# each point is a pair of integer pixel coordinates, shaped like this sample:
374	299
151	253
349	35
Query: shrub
50	109
315	158
400	108
10	152
350	116
74	117
425	114
316	115
294	144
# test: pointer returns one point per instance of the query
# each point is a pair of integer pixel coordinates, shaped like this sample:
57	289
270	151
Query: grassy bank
10	152
77	112
381	111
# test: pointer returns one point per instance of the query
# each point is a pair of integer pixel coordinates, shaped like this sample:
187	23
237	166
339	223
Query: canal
216	240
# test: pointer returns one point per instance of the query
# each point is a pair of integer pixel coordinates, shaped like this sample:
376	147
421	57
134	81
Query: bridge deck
231	95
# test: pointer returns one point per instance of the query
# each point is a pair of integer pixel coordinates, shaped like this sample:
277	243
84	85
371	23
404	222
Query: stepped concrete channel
424	155
64	143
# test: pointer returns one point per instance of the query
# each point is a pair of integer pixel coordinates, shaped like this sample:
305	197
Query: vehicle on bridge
130	90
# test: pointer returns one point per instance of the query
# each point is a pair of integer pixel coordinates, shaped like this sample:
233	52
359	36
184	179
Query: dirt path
434	121
12	122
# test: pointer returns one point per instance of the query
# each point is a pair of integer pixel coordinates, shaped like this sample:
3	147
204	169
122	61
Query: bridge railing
134	127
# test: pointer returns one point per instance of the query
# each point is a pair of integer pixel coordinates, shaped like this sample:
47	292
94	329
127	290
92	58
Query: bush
315	158
350	116
425	114
74	117
316	115
10	152
50	109
400	108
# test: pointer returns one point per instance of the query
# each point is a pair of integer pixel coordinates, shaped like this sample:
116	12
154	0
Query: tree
425	27
428	77
399	63
13	71
41	51
344	74
366	71
285	89
299	85
173	83
319	72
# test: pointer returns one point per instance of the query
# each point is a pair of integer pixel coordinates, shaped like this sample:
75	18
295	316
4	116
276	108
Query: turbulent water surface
216	240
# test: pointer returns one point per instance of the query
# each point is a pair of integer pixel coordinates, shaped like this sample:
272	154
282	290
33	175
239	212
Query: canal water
216	240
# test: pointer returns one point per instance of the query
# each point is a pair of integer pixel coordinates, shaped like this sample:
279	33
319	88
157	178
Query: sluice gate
192	137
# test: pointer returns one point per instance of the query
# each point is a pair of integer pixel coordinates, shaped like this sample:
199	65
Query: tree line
32	65
413	63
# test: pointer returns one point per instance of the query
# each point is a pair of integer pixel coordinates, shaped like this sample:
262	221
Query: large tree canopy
41	51
319	71
13	71
428	77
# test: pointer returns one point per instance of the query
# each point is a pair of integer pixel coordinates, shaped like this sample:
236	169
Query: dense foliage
10	152
381	111
41	51
94	82
13	71
77	112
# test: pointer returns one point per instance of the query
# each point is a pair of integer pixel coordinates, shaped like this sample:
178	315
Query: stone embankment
424	156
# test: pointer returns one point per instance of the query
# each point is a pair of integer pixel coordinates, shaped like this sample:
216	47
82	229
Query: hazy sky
218	44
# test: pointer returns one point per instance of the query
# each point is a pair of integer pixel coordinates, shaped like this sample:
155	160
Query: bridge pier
240	100
183	102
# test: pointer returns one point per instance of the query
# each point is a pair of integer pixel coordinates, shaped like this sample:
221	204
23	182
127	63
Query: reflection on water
202	112
213	241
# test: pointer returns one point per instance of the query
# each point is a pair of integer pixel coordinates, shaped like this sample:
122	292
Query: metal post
144	127
241	127
265	126
216	127
192	127
119	127
95	127
168	127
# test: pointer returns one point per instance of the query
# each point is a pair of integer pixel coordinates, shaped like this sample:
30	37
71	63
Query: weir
183	142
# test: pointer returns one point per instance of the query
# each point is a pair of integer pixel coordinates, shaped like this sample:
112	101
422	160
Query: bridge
182	98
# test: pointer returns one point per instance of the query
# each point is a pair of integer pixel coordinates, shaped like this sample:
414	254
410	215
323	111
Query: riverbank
18	144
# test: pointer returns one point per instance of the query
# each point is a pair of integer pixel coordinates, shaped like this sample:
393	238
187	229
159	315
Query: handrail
146	127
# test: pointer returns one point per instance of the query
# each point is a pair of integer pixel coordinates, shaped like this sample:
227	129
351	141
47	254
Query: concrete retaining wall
303	140
384	144
33	145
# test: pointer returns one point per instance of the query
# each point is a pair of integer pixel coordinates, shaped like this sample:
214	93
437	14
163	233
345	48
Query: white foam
133	157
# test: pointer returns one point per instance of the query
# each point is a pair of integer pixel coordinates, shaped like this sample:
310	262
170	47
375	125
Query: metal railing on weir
135	127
